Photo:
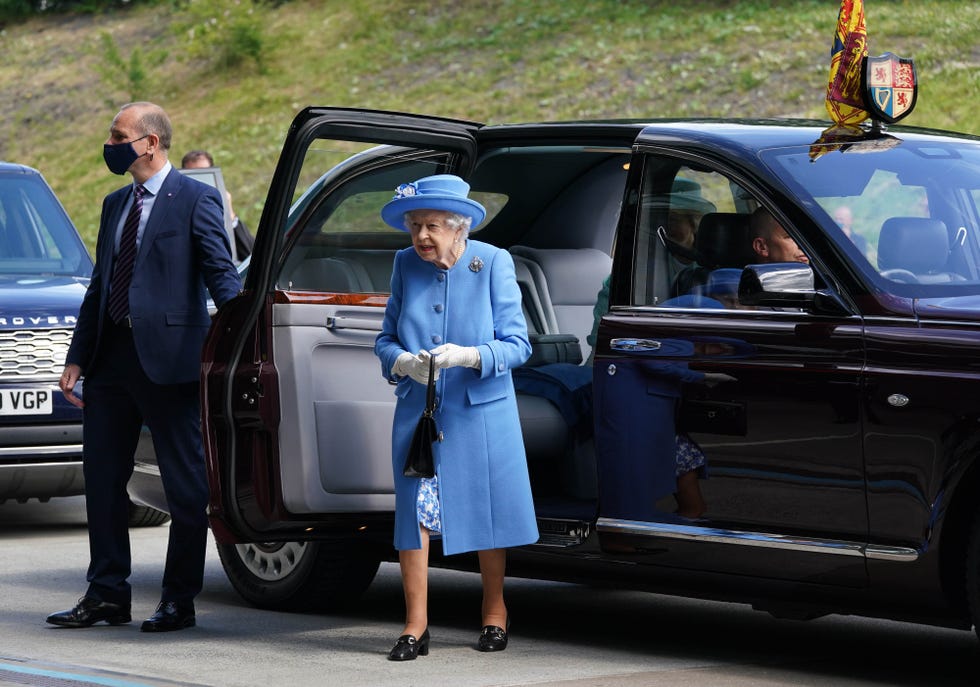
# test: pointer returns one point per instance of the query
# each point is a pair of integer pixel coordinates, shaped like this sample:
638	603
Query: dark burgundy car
840	444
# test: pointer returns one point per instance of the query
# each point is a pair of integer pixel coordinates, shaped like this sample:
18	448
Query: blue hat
445	192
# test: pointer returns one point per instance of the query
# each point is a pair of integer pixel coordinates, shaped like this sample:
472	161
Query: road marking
57	678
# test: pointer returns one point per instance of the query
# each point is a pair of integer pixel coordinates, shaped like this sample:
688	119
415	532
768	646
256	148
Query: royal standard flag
845	103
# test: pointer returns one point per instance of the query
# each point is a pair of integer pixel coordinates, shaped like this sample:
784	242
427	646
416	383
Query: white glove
716	378
451	355
414	366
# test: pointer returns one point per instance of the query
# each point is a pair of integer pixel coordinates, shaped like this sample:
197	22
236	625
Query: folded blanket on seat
568	386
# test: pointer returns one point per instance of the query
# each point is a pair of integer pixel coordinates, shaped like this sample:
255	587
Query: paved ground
562	635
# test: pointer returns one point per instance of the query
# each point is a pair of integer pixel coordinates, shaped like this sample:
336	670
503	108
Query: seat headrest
722	240
917	244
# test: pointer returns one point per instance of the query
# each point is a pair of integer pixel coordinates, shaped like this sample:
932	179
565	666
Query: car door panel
793	481
333	402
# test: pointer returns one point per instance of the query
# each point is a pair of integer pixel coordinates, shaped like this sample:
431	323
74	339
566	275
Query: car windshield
905	205
36	236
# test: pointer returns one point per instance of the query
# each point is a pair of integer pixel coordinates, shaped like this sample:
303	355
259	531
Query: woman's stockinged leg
493	563
690	502
414	565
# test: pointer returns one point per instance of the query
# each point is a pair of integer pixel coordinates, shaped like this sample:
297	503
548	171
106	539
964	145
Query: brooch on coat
476	264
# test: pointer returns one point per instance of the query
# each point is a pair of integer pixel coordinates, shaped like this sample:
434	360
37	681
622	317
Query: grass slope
491	61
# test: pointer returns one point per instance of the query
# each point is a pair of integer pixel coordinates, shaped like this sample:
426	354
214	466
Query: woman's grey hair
453	219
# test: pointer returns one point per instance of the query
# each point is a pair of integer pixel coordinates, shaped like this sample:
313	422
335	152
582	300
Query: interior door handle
353	323
634	345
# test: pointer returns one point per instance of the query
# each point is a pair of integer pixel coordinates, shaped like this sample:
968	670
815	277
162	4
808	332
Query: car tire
290	576
144	516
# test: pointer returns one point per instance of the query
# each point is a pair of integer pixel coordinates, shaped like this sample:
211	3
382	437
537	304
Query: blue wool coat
484	490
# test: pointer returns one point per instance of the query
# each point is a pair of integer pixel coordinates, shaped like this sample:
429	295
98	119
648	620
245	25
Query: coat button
436	339
440	277
500	367
437	307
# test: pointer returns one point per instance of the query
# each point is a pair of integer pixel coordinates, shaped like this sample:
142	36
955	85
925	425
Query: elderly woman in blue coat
457	300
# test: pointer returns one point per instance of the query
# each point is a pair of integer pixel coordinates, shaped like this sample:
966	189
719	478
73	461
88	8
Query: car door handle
634	345
353	323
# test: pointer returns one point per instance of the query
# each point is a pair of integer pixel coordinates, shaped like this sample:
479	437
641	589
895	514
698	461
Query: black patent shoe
408	648
493	638
89	611
170	616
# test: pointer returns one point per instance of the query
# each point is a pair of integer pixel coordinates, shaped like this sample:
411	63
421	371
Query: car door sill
694	532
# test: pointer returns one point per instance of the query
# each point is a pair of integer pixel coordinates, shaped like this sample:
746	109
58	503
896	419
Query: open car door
297	415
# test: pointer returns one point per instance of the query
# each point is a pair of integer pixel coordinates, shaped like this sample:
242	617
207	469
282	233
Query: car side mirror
786	285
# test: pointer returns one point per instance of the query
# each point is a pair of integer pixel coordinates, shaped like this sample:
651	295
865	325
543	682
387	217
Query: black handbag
420	462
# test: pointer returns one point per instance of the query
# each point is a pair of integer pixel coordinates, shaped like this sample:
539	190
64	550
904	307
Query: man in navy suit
137	342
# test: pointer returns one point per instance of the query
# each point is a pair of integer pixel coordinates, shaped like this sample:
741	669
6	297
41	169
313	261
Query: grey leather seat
915	249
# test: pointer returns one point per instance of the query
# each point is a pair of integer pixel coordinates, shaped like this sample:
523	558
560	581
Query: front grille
33	354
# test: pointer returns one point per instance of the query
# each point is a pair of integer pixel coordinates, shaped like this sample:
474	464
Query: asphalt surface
562	635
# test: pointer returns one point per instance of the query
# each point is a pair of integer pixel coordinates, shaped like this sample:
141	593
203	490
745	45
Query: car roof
754	134
13	168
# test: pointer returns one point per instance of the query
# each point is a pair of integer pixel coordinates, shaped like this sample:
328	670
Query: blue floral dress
428	504
689	455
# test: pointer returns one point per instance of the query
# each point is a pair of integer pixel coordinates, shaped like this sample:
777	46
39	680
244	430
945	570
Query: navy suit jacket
184	250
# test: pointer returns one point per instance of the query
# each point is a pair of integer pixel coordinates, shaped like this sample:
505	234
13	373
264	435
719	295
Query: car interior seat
567	282
721	241
327	274
915	250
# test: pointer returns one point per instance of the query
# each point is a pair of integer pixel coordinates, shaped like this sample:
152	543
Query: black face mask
119	157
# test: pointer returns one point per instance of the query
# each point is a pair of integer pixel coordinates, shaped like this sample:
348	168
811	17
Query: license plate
26	402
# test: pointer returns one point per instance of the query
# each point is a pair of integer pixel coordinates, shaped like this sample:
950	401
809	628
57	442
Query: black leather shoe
407	648
169	616
89	611
493	638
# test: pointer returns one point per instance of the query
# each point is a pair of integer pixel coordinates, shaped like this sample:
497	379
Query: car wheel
144	516
289	576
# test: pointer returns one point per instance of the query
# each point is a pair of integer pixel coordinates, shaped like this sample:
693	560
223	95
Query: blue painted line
77	677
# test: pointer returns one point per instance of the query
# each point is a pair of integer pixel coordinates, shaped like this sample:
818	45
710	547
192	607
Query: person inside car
845	220
456	300
771	242
685	207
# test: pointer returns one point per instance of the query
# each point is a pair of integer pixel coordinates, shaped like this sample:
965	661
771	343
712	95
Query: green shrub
225	33
112	65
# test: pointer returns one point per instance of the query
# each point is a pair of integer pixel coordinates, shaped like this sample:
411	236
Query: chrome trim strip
835	547
61	449
900	554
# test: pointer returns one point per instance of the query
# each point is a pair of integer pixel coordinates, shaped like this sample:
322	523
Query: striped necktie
122	271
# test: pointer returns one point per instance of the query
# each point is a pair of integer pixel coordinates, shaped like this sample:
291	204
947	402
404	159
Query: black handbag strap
430	391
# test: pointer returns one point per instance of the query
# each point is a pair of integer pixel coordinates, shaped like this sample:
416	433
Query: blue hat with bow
445	192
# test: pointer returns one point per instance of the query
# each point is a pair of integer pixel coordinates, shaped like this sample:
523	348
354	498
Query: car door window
337	241
694	237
